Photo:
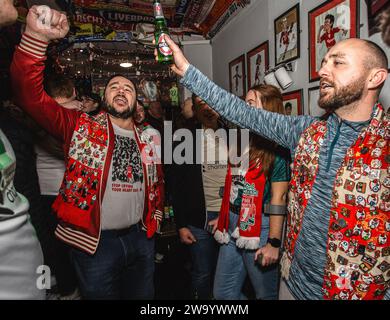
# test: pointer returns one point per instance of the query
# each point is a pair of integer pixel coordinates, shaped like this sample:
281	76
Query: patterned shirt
307	270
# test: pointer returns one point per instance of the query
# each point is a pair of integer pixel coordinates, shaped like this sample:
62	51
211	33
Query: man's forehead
121	80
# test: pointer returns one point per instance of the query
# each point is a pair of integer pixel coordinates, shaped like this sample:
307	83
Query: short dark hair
59	86
288	105
118	75
330	17
375	57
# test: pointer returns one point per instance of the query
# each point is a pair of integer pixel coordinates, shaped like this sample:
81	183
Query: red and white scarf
247	232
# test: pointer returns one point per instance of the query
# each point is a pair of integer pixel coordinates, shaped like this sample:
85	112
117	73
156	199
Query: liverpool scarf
247	232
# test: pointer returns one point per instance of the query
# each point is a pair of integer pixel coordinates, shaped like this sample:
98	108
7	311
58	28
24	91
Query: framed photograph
287	37
314	109
293	103
329	23
237	76
257	61
374	9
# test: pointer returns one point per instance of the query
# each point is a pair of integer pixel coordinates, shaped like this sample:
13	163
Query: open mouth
325	86
121	101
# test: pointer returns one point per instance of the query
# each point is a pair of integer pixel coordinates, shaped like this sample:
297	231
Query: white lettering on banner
12	194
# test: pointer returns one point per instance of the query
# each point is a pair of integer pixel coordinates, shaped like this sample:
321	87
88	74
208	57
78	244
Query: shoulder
281	168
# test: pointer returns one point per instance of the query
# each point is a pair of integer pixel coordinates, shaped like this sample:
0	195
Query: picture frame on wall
257	61
287	36
329	23
293	102
313	109
237	76
374	9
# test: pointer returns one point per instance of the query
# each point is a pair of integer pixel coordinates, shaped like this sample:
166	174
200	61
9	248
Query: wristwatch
276	243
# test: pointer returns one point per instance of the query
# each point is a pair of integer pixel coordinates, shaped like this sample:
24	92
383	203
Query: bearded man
110	202
338	237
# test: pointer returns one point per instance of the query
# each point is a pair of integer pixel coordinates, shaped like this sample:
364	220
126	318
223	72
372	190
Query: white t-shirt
50	171
123	201
214	169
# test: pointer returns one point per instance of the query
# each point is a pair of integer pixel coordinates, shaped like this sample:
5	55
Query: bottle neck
160	23
158	12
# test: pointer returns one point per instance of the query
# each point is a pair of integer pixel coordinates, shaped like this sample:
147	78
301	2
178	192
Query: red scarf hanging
248	229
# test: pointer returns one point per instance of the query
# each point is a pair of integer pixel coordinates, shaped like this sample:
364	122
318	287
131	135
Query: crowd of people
306	215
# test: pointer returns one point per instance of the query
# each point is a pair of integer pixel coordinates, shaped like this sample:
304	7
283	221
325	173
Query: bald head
372	55
375	57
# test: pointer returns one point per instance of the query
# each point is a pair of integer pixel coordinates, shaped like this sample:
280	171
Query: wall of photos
255	26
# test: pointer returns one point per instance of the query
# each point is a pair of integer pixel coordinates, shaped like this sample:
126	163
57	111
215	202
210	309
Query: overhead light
78	72
81	50
126	64
69	59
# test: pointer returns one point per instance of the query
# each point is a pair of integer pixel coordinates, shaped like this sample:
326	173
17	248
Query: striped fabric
77	239
33	46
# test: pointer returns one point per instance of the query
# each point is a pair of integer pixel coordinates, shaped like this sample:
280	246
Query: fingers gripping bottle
165	54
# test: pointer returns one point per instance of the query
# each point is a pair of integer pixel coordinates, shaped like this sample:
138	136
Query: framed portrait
287	36
374	9
257	61
293	103
314	109
329	23
237	76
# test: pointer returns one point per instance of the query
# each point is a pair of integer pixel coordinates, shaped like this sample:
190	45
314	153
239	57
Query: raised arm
284	130
27	77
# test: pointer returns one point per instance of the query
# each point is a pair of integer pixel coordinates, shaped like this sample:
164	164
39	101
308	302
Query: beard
341	96
126	114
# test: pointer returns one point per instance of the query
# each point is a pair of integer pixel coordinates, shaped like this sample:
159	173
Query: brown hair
262	151
59	86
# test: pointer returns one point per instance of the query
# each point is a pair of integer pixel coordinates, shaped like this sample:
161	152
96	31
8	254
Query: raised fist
46	24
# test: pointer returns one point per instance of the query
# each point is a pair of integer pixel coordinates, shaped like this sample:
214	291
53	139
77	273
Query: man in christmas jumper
111	198
338	237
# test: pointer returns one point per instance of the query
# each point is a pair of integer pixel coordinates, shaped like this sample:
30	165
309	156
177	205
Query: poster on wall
293	103
329	23
287	40
257	61
237	76
314	109
374	10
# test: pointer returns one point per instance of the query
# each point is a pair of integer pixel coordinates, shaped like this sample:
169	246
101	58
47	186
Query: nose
324	71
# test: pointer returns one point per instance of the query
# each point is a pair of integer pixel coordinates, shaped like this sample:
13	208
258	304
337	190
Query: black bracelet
275	242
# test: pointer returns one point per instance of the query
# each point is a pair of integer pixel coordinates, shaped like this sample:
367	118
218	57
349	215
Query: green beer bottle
165	55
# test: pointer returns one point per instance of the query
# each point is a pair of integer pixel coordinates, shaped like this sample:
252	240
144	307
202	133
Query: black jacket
188	198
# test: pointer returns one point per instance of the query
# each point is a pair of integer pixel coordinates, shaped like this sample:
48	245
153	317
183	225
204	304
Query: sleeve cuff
33	46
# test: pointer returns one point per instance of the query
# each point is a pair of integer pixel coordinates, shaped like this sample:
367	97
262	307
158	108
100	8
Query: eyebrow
334	55
126	85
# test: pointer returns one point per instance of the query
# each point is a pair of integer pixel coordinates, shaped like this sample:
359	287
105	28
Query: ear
376	78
